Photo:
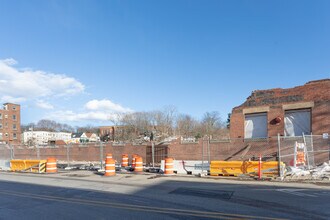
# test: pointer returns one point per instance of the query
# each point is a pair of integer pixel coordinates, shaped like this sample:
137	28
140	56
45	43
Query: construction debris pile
321	172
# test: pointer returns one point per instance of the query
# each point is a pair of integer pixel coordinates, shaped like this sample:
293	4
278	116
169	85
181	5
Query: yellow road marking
207	214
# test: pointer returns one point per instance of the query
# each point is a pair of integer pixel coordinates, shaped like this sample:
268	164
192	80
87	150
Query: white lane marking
296	192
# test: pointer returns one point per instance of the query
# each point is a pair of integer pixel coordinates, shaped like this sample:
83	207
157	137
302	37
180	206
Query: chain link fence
306	153
306	156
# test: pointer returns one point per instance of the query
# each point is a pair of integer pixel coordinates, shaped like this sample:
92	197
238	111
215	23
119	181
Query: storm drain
215	194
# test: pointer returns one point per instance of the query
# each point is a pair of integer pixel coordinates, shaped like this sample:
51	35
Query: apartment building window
0	136
297	122
14	107
0	125
14	136
0	116
14	117
14	126
255	125
6	134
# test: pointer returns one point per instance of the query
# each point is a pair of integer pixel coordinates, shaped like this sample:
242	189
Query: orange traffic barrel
110	168
168	166
134	159
51	165
138	164
124	160
109	156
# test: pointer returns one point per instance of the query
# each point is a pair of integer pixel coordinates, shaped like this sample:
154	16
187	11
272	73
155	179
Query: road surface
86	195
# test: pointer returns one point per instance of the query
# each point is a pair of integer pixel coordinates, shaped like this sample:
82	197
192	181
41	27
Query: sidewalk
146	179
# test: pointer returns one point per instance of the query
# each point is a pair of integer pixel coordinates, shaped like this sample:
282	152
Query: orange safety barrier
17	165
110	168
51	165
124	160
138	164
36	166
168	166
236	168
109	156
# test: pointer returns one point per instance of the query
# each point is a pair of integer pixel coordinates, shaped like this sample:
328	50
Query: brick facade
314	95
10	123
229	150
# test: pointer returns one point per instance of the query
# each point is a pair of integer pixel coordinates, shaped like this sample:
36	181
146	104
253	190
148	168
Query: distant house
79	137
44	137
92	137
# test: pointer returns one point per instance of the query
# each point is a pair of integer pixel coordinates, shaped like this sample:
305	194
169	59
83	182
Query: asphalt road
84	195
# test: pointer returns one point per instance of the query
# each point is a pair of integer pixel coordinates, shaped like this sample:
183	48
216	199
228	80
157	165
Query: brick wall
77	152
314	95
231	150
234	149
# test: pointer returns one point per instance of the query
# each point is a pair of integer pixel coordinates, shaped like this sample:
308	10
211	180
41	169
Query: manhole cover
216	194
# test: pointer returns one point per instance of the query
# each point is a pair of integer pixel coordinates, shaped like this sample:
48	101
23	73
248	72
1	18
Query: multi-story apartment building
10	123
44	137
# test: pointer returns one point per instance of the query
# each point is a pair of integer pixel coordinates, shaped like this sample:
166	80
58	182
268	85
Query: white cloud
78	117
72	116
105	105
44	105
10	61
7	98
95	110
27	84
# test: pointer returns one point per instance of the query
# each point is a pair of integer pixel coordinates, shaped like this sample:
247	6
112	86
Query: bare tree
164	120
47	125
135	125
186	126
89	129
212	124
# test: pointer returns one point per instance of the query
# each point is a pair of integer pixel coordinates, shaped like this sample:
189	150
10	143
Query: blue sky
79	62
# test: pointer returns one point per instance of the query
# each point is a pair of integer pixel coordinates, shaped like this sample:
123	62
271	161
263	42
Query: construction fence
308	151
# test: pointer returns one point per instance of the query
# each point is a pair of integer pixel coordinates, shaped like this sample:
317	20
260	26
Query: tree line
168	122
53	126
154	125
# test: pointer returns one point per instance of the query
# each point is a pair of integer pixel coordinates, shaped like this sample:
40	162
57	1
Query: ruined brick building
289	112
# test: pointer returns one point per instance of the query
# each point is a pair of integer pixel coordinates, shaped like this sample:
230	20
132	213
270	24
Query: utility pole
153	153
101	155
68	154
